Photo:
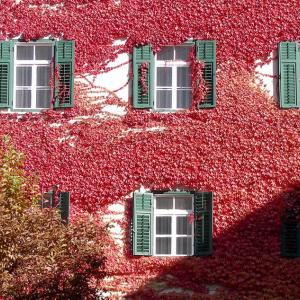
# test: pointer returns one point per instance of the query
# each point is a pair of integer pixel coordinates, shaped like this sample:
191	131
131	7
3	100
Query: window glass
43	76
24	52
164	77
23	76
173	78
184	98
182	52
43	52
183	202
183	226
23	99
43	98
163	225
164	202
183	77
32	79
184	246
163	245
166	53
164	99
173	232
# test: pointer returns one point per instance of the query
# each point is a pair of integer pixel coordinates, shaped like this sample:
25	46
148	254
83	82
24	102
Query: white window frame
174	64
34	64
173	213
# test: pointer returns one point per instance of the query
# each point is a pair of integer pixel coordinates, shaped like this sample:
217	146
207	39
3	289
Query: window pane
163	225
164	202
184	245
25	52
166	53
183	226
183	202
182	52
163	245
164	99
183	77
23	99
43	98
164	76
43	76
184	98
43	52
23	75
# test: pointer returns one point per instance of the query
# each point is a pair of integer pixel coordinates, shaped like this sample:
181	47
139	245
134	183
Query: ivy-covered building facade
186	141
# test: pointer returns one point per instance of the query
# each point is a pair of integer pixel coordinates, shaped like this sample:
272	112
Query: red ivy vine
199	85
144	78
246	150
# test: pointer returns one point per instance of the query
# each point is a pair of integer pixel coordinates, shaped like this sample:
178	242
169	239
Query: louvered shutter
142	223
64	206
288	75
206	52
143	58
64	74
203	216
6	73
290	237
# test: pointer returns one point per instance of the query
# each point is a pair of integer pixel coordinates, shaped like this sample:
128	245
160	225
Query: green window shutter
203	215
6	73
290	238
206	52
64	206
142	223
288	74
143	58
64	65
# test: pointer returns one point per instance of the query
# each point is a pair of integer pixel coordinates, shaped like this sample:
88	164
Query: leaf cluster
40	257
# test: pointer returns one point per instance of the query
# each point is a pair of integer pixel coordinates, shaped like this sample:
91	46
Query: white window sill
166	110
173	256
23	111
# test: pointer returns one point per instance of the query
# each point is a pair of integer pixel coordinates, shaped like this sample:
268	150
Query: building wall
246	150
267	74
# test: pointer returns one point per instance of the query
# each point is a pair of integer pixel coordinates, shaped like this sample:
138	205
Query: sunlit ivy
246	150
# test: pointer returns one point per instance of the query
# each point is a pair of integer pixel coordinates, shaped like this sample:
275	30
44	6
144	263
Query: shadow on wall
246	264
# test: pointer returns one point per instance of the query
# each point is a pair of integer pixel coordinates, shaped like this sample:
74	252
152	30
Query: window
173	230
172	223
173	85
290	237
289	84
290	225
163	80
32	75
60	200
36	75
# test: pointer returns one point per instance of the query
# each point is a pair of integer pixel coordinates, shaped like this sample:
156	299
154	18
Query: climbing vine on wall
246	150
199	85
144	78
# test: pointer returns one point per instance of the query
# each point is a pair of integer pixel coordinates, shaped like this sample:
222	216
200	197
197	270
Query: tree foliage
40	257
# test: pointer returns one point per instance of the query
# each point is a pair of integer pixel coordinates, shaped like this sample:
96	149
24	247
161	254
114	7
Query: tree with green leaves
41	257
